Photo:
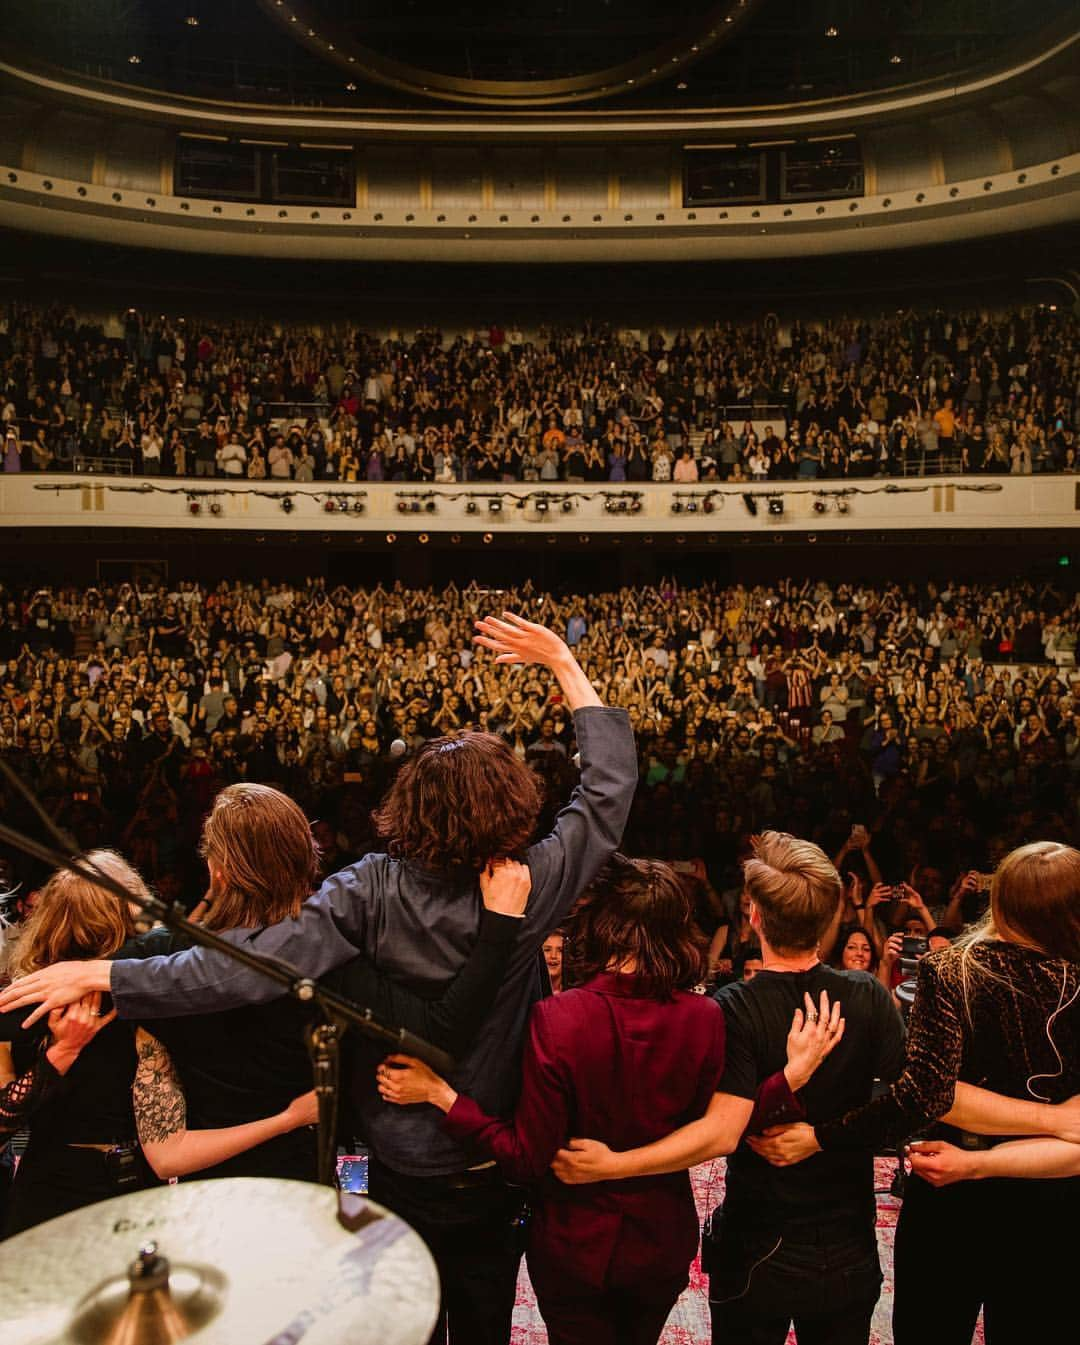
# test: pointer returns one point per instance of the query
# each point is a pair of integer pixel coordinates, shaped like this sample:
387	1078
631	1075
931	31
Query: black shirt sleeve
740	1077
925	1090
451	1021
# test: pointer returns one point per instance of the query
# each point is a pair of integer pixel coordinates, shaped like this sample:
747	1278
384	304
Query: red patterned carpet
689	1323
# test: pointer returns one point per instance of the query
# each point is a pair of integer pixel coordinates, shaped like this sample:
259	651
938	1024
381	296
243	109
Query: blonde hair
261	843
796	889
74	918
1034	899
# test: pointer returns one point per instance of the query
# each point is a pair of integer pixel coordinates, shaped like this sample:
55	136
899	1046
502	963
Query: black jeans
1004	1246
55	1179
823	1277
465	1221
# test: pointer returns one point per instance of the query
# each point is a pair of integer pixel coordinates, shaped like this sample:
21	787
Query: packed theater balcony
911	394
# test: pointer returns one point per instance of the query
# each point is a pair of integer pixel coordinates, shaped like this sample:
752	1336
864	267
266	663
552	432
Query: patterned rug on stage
689	1322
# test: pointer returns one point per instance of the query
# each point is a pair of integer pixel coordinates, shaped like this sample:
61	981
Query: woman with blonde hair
993	1049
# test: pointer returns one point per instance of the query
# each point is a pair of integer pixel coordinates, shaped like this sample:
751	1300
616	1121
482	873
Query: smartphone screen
352	1173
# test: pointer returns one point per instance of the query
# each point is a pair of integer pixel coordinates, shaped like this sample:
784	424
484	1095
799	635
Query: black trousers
56	1179
465	1220
1007	1247
824	1278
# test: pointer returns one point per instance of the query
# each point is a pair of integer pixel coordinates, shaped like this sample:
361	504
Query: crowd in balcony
904	394
945	719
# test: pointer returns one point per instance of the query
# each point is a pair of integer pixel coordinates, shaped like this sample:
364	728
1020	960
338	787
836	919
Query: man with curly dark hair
459	804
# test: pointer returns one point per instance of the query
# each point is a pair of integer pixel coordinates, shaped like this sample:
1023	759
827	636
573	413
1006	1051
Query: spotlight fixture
541	506
751	504
842	505
819	506
896	58
215	507
567	506
358	506
391	538
286	504
134	60
676	506
430	506
776	505
635	505
329	506
832	31
192	21
691	506
494	506
470	506
708	506
194	507
403	506
414	506
487	539
423	539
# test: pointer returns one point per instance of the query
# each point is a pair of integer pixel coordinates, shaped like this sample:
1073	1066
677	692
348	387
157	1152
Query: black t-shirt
758	1015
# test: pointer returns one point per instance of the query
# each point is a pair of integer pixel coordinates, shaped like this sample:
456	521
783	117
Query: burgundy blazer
605	1062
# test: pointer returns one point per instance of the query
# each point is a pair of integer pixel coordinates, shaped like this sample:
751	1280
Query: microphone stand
336	1012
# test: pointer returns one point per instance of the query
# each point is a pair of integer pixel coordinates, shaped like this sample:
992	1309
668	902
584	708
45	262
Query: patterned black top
1011	1024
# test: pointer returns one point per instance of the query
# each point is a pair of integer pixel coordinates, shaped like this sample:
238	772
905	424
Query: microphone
398	747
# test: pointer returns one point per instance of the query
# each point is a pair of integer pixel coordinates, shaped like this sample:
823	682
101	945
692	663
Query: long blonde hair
73	918
1034	899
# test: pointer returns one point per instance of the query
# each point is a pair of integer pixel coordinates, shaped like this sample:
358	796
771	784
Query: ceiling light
895	58
832	31
350	87
681	84
192	21
776	505
134	60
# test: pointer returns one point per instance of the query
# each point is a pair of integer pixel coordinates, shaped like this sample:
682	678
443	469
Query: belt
107	1148
470	1178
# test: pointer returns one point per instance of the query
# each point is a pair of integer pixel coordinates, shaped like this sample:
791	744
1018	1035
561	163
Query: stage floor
689	1322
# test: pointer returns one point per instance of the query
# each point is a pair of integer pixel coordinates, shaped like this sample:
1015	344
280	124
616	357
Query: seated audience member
626	1055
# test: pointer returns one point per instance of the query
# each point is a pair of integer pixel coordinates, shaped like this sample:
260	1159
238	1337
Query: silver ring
811	1017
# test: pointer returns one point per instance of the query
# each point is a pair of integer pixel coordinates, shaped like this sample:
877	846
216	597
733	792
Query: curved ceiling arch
703	32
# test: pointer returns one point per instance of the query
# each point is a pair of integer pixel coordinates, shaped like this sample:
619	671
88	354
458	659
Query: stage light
430	506
423	539
215	507
567	505
391	538
470	507
330	506
709	506
751	504
691	506
635	506
286	504
676	506
776	505
1064	561
194	507
358	506
494	506
414	506
541	506
819	506
403	506
487	538
842	505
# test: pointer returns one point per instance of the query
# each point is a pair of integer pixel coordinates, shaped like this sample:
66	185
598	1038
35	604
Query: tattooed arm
173	1150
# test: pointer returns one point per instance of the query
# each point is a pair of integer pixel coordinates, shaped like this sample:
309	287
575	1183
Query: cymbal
240	1261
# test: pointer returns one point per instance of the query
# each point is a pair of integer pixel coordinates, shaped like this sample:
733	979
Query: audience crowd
919	731
901	394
